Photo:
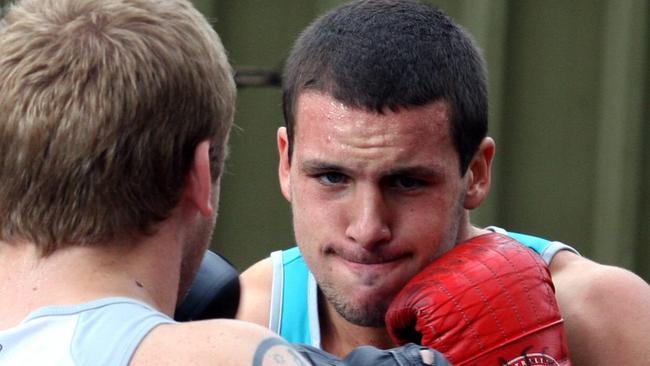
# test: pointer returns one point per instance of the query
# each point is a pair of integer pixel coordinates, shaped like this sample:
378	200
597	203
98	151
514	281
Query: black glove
406	355
214	292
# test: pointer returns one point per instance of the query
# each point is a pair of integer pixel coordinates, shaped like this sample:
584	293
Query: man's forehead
316	100
318	111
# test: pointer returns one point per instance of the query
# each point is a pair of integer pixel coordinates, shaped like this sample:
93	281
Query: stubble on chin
365	314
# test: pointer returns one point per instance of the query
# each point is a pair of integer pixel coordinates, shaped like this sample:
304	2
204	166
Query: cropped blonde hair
102	103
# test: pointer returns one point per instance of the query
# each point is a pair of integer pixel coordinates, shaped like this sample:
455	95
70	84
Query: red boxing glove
489	302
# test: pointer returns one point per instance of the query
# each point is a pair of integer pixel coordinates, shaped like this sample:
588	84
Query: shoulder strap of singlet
275	310
291	316
312	307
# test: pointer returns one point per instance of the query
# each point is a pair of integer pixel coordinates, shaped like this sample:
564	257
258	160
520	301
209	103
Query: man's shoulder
258	275
583	274
257	280
207	342
258	283
263	269
604	308
255	300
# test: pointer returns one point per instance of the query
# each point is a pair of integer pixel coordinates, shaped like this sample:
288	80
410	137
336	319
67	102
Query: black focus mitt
214	293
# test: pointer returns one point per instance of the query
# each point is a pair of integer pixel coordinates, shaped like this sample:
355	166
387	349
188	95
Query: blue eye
332	178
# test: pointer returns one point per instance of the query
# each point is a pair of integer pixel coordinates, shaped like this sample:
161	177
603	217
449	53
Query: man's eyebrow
415	171
316	166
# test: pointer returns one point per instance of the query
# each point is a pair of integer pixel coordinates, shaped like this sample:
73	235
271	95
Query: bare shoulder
256	283
214	342
605	311
584	281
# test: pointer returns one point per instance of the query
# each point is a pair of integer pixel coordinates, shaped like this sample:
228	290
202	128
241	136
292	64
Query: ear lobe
479	174
284	166
199	185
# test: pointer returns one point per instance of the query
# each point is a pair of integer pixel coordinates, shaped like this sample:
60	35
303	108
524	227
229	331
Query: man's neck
339	337
79	274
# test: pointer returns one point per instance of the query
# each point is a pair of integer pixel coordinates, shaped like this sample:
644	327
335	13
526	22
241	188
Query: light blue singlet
294	293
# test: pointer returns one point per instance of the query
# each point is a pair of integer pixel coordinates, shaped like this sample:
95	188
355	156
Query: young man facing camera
384	154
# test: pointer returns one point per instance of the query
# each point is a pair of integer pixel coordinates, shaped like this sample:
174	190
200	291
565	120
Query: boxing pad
214	293
489	302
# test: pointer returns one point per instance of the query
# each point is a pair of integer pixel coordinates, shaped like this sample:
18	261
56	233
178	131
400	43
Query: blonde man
114	118
114	121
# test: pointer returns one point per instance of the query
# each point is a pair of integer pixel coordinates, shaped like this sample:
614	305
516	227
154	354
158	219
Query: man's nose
369	215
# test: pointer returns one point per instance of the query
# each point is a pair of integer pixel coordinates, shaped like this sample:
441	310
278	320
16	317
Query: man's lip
370	260
367	268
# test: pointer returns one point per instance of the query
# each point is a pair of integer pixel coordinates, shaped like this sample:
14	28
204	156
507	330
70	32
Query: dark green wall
254	217
569	97
568	108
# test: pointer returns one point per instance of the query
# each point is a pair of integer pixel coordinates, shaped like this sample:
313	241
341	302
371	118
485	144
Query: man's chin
360	304
363	312
372	317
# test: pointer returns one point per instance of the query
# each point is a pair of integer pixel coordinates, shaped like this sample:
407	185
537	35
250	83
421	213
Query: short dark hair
378	54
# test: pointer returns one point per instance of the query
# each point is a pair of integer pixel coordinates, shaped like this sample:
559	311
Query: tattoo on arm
275	351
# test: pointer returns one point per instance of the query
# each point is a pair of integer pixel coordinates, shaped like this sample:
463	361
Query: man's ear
479	174
199	185
284	167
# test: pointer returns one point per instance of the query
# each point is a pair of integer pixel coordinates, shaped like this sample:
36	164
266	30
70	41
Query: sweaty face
375	197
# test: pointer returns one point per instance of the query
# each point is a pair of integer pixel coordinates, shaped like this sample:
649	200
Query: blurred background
569	110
